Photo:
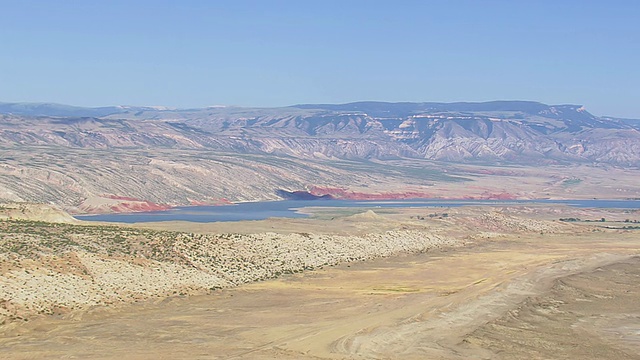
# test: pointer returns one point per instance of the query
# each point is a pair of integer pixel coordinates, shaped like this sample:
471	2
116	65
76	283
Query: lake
287	209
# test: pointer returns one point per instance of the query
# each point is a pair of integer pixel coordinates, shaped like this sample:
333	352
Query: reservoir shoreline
290	208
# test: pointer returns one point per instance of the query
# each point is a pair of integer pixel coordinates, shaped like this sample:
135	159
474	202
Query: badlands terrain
506	281
117	159
441	283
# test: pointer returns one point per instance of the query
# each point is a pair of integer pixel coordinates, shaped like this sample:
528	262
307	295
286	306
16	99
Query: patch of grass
31	239
398	289
396	170
571	182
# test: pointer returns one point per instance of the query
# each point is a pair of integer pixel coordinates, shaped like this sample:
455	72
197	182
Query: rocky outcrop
346	194
34	212
301	195
118	204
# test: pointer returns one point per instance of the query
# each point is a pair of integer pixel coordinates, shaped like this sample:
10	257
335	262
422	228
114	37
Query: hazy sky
272	53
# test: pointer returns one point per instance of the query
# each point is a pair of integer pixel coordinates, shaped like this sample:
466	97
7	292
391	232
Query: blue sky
274	53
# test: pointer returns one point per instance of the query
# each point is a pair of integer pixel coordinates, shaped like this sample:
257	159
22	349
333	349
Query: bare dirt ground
522	287
590	315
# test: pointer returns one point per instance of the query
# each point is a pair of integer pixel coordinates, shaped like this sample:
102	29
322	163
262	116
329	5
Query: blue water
287	209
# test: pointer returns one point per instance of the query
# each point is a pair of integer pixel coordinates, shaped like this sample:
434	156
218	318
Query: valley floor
520	287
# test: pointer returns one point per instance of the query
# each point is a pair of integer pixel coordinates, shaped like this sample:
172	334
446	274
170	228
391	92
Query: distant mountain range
129	158
520	132
60	110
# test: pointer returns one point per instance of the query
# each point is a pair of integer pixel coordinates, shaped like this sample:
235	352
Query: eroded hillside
136	159
55	268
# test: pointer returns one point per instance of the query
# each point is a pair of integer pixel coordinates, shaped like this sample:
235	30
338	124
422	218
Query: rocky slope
145	158
54	268
504	131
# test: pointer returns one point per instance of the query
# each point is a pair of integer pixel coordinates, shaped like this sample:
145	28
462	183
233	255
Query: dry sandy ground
495	298
601	307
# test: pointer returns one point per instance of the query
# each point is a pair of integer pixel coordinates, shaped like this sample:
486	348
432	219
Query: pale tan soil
461	221
60	268
591	315
443	304
40	212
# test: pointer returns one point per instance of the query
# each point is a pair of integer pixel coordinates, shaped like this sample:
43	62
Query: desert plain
500	282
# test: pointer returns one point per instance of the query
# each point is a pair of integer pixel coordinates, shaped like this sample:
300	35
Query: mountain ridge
64	110
500	131
147	158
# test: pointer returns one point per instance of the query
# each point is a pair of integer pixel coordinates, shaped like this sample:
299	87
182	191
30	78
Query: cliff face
508	131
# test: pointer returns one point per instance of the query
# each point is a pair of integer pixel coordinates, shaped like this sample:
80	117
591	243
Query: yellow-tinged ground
448	303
